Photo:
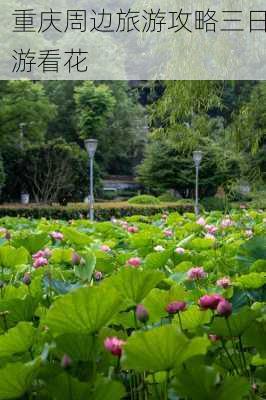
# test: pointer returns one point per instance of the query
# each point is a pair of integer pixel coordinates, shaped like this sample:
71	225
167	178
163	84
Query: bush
144	199
215	204
167	197
103	211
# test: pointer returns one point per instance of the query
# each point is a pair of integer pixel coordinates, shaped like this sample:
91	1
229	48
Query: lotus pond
162	307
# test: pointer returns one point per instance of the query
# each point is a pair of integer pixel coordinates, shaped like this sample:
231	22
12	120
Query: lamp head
197	157
91	146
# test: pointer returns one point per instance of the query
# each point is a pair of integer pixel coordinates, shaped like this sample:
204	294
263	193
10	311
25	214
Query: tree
224	119
24	102
94	107
55	171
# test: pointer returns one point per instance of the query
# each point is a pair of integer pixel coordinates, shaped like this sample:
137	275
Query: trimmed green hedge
103	211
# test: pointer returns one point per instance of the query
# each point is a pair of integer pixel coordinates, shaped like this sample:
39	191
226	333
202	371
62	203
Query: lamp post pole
91	146
197	157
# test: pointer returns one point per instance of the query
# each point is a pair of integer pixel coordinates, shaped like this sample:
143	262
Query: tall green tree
24	102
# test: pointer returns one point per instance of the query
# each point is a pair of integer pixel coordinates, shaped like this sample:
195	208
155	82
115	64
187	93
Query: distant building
115	183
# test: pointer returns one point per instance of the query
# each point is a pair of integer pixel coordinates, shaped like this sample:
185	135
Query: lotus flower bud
168	233
224	282
57	235
66	361
196	273
224	308
159	248
75	259
132	229
134	262
214	338
175	307
98	275
105	248
142	313
40	262
114	345
210	301
201	221
180	250
26	279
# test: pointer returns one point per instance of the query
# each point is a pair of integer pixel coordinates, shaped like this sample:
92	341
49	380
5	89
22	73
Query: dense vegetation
164	307
48	122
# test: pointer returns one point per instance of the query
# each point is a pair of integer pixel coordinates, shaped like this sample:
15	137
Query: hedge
103	211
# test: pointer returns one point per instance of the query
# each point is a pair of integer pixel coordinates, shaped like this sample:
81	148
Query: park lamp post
91	146
197	157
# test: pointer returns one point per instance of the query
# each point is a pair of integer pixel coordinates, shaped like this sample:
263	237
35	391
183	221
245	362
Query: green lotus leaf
251	251
104	262
156	260
18	310
157	300
75	237
193	317
78	346
107	389
65	387
86	310
254	280
85	271
17	340
200	244
63	256
16	379
200	382
160	349
32	242
135	284
239	322
10	257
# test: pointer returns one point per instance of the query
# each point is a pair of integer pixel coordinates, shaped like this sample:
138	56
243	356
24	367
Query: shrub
215	203
103	211
144	199
167	197
2	175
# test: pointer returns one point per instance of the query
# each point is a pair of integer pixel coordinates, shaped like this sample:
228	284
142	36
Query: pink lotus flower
224	282
39	254
159	248
142	313
57	235
175	307
212	229
2	230
114	345
40	262
210	301
180	250
98	275
249	233
226	223
105	248
132	229
201	221
168	233
134	262
196	273
243	206
224	308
